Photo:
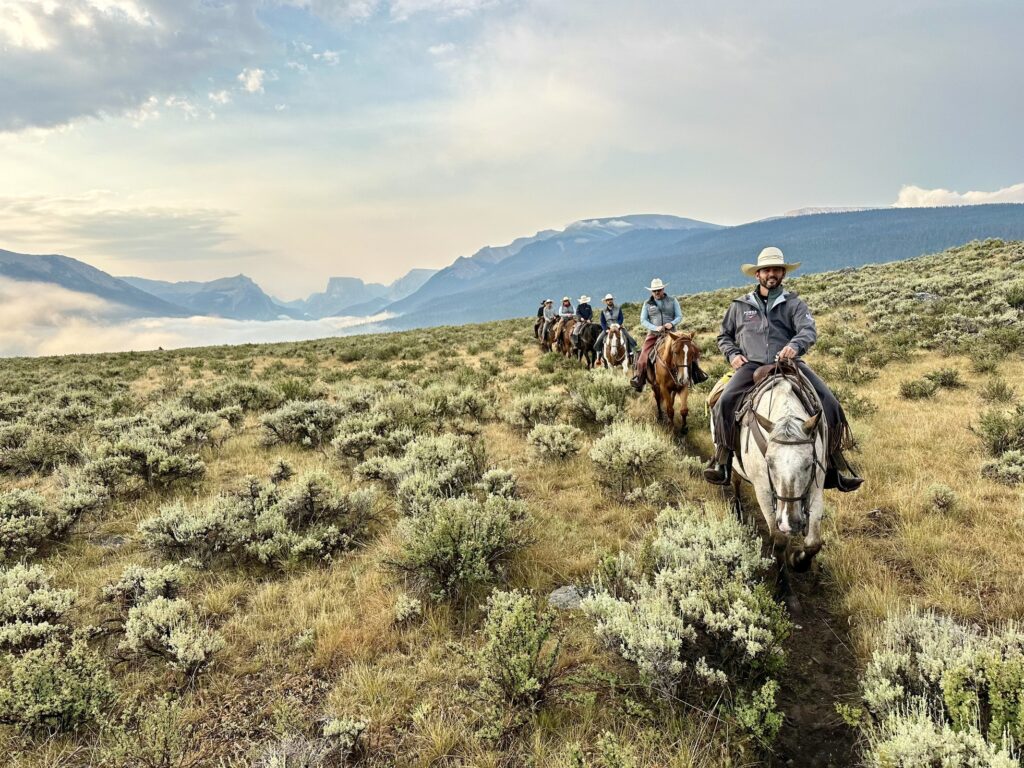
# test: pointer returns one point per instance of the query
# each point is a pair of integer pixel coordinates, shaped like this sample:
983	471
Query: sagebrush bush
630	455
555	441
31	609
310	519
600	397
311	424
918	389
499	482
527	411
964	680
25	522
517	663
703	622
941	498
56	687
27	448
946	378
139	584
171	629
457	544
1008	469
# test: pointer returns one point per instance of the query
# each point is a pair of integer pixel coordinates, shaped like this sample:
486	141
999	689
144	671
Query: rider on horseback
548	318
565	311
660	313
768	324
584	314
612	315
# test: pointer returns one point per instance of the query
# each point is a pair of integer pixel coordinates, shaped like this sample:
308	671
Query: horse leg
783	587
684	409
657	401
670	402
737	502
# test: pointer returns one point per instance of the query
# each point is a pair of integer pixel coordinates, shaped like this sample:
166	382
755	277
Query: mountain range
593	256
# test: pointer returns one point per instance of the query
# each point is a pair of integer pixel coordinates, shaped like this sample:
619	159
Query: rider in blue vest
612	315
659	313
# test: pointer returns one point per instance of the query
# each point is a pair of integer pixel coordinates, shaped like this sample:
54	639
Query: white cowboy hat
656	285
548	301
608	296
584	299
769	257
566	298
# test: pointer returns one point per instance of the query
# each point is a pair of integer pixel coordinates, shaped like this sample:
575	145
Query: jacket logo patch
750	314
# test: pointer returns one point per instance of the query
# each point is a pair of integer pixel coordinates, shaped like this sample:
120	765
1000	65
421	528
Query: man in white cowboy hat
765	325
565	311
612	315
584	314
547	318
659	313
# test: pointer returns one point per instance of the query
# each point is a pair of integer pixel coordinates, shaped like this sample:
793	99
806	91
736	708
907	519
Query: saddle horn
766	424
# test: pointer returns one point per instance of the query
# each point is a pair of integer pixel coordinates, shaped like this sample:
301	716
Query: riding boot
841	475
719	468
638	382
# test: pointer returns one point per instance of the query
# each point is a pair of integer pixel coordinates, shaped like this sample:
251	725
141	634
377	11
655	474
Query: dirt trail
820	670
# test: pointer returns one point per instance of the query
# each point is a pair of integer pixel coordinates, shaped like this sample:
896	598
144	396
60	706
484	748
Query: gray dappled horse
781	452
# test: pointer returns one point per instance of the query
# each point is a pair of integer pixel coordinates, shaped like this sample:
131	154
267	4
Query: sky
293	140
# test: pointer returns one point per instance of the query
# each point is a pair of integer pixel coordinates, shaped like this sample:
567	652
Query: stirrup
637	383
719	474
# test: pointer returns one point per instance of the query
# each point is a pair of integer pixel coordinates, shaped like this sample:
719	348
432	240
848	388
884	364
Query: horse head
681	353
792	464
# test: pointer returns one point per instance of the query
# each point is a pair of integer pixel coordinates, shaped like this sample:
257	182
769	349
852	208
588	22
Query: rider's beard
775	282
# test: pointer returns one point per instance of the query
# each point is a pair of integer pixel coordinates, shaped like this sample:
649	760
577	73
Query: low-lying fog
43	319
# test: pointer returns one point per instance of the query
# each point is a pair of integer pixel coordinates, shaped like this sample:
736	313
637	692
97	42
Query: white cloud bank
916	197
43	319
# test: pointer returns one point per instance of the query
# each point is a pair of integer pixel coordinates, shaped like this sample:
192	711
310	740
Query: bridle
681	380
811	481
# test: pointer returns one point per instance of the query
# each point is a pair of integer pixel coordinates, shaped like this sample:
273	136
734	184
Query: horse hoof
793	606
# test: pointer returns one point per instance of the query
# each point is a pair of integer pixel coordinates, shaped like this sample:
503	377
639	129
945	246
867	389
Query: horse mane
789	427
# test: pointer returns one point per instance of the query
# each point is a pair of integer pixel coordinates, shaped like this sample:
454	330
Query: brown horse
547	336
563	340
616	351
669	374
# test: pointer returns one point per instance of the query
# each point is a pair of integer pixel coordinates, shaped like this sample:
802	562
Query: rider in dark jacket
584	314
612	314
769	324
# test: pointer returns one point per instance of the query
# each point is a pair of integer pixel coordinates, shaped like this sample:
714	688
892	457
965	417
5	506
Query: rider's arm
678	313
645	320
604	321
806	331
727	336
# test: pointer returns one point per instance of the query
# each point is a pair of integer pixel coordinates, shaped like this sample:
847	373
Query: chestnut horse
668	372
563	338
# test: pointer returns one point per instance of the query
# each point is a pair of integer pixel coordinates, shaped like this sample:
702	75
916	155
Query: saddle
764	380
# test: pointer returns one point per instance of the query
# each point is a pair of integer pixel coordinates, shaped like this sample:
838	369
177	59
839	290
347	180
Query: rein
681	381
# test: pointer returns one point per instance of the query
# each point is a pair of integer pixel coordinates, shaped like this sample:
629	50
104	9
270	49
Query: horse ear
766	424
811	424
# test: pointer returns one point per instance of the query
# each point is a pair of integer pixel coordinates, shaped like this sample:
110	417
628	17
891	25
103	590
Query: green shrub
630	456
309	424
25	448
996	390
946	378
854	404
154	733
1007	469
599	397
527	411
936	687
1001	431
703	622
170	629
555	441
918	389
518	659
457	544
56	687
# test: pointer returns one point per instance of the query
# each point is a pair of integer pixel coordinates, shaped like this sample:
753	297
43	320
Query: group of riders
768	325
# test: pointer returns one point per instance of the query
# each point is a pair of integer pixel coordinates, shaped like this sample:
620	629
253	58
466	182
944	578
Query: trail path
820	670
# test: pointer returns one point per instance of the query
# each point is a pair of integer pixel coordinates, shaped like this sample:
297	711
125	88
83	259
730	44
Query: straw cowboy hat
769	257
656	285
608	296
565	299
584	299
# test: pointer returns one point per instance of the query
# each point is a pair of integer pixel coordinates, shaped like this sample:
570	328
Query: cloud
252	80
44	319
916	197
101	228
219	97
73	59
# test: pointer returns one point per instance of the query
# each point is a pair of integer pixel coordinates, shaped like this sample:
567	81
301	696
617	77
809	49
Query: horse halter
811	481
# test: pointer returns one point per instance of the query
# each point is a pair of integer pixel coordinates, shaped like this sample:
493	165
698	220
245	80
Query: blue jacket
585	311
610	315
656	313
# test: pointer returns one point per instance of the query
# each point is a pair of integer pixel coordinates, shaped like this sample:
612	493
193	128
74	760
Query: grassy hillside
338	552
